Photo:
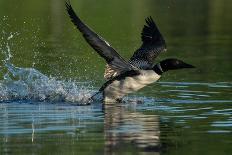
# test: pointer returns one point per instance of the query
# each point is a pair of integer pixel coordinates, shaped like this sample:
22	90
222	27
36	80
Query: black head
173	64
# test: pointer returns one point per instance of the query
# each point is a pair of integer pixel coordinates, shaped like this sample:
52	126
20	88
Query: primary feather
102	47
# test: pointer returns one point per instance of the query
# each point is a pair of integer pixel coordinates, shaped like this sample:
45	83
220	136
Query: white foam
29	83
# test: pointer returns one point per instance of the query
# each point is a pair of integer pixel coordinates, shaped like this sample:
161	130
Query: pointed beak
185	65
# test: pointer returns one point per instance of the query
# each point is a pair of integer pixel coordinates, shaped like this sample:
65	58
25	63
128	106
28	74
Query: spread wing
113	59
153	44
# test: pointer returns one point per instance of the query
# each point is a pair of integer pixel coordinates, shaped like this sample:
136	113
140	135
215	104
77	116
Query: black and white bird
127	77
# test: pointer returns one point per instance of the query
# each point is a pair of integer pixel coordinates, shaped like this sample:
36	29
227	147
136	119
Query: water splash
30	84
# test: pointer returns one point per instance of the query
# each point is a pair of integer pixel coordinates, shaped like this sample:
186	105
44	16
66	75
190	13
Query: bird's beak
185	65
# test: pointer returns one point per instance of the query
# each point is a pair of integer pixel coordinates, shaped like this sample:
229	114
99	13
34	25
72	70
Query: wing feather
153	44
101	46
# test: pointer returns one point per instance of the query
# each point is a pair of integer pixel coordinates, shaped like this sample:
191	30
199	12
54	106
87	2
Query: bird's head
170	64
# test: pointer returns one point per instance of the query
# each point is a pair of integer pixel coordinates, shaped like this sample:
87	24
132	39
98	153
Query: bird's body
128	83
125	77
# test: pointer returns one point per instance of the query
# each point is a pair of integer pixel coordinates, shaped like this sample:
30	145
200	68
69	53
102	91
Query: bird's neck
158	69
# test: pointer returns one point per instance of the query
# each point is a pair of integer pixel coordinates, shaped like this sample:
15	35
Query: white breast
118	89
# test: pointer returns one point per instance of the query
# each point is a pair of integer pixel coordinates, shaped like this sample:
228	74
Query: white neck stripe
159	66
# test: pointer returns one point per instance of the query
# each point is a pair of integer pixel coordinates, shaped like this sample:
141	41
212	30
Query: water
48	72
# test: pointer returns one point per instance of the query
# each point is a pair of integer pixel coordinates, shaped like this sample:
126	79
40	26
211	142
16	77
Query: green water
186	112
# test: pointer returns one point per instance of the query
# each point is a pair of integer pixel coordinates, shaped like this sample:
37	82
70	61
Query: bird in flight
124	77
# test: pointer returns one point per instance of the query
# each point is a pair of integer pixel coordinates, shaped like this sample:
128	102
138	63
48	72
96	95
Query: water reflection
125	126
114	129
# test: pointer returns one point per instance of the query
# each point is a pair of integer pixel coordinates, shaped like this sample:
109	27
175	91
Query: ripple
222	124
216	84
219	131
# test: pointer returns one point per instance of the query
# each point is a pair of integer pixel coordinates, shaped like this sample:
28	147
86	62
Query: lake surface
47	72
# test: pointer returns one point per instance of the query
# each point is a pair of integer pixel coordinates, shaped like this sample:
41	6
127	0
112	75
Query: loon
123	76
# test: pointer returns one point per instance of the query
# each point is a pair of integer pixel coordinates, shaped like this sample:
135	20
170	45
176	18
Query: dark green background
198	32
